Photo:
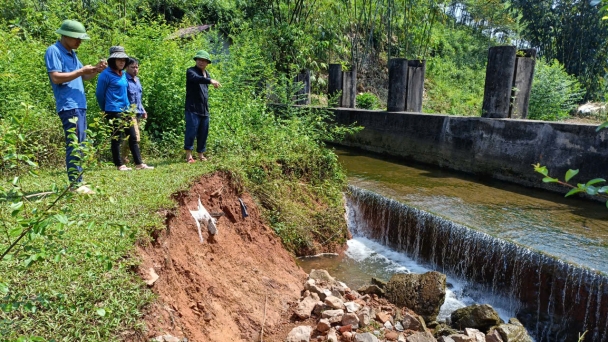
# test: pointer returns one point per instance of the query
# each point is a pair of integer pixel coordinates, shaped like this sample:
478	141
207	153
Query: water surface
574	230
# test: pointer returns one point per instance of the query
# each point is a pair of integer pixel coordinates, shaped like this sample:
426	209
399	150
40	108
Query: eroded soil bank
225	288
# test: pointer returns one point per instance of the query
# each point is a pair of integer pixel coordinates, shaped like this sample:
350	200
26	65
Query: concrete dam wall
555	300
503	149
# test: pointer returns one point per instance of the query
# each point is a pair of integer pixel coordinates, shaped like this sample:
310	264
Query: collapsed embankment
226	288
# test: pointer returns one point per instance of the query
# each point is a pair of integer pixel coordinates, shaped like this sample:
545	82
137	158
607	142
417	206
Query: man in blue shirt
66	74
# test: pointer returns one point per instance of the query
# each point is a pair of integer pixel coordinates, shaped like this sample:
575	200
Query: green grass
84	287
68	293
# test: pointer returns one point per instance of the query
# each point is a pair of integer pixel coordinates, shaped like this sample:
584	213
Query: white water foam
458	294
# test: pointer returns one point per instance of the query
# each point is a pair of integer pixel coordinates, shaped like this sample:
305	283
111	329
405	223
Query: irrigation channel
529	253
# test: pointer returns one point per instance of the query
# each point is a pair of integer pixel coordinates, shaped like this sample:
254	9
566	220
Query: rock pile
365	315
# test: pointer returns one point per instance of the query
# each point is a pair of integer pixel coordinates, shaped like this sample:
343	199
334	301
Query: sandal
190	160
84	190
202	158
143	167
124	168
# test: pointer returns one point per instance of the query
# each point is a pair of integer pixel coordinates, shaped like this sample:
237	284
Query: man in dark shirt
197	106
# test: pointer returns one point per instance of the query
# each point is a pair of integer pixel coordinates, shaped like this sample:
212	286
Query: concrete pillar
302	81
349	89
499	82
415	85
522	83
334	84
397	84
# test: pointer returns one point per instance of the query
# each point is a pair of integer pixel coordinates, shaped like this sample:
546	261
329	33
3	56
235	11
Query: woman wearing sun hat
197	106
112	97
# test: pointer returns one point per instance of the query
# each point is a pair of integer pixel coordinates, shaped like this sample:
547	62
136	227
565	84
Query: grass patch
91	291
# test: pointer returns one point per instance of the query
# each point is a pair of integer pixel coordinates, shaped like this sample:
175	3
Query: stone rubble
341	314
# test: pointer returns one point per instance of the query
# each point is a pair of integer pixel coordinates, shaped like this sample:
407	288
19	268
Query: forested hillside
290	35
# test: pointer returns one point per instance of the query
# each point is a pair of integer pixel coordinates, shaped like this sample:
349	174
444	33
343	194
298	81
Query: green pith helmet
202	54
73	29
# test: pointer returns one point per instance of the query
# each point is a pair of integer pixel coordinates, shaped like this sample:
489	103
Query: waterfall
555	300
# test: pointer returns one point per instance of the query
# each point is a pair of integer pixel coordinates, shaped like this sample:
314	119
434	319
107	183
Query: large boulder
476	316
423	293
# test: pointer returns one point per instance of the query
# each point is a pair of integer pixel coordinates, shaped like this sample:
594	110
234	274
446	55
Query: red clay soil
224	288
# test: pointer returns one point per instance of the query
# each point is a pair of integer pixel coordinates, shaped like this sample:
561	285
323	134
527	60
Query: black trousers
121	127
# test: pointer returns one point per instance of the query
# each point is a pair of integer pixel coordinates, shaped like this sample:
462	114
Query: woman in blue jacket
112	97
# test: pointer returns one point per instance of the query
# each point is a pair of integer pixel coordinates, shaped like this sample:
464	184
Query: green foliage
444	97
554	93
571	32
589	188
367	101
455	76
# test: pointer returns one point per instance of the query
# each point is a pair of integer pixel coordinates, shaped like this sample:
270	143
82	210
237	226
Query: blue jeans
72	158
196	127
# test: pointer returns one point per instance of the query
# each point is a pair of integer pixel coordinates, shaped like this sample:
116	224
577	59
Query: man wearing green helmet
197	106
66	74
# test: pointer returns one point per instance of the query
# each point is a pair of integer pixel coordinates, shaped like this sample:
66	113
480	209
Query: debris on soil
152	277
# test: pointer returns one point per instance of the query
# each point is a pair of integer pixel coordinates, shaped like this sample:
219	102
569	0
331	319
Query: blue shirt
134	92
111	91
68	95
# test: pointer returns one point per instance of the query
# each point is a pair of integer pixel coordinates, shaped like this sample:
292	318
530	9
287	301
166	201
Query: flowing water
527	252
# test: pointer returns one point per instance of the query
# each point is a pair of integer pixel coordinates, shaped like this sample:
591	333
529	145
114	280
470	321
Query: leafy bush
554	93
28	104
367	101
452	88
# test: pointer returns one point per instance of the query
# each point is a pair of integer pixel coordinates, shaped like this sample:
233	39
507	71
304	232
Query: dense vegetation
257	46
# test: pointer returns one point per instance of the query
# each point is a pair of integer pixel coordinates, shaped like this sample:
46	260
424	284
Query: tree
572	32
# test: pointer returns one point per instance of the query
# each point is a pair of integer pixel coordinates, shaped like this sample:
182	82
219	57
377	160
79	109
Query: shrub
368	101
554	93
453	88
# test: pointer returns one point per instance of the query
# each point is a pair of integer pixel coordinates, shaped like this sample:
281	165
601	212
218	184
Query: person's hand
88	69
101	65
215	83
145	115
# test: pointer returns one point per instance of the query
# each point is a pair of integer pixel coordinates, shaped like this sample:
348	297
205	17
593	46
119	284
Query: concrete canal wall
503	149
